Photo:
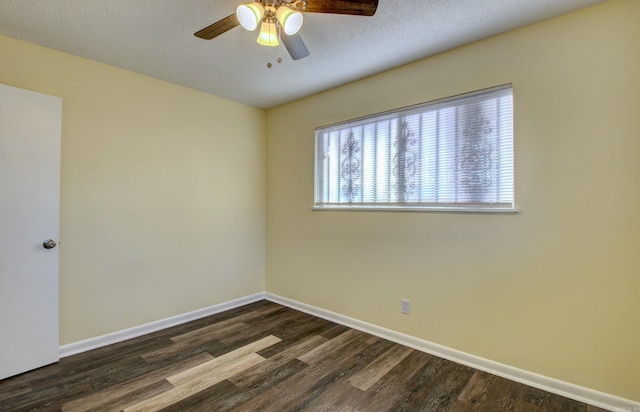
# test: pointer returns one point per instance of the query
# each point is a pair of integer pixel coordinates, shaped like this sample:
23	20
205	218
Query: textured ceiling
155	37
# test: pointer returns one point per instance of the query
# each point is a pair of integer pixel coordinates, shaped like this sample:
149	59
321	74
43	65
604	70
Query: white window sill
448	209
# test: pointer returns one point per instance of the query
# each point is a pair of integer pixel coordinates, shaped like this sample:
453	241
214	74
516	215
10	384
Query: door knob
49	244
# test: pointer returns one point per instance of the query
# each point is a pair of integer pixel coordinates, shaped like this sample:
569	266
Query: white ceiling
155	37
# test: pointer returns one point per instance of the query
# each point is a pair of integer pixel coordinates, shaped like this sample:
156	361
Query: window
454	154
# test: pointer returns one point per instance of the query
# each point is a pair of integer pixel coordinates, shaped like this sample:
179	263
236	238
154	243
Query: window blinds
455	153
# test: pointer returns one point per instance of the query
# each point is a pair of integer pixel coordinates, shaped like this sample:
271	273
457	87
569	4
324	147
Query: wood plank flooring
266	357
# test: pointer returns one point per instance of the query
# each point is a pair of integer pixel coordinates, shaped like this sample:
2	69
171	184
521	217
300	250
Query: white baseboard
568	390
122	335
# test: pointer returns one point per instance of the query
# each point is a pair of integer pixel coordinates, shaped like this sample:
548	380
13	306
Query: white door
30	130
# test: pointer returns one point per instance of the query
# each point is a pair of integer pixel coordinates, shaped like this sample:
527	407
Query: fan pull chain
279	60
279	43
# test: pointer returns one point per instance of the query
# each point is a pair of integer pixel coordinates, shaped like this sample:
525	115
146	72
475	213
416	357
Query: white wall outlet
405	306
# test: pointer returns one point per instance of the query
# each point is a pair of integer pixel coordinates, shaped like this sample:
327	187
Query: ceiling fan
281	19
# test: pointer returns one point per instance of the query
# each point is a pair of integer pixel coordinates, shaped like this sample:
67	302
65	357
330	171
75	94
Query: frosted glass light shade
290	20
268	35
249	15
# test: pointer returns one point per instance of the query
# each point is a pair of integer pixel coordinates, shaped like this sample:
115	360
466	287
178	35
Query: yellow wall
162	197
554	290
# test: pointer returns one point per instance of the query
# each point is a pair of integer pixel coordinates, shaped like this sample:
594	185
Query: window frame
399	114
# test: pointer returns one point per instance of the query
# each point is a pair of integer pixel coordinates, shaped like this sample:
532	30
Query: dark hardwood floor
266	357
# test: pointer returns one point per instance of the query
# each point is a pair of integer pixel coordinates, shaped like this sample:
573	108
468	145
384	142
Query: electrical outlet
405	306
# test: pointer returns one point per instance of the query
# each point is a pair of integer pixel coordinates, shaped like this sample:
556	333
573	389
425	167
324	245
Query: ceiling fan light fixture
249	15
268	34
290	20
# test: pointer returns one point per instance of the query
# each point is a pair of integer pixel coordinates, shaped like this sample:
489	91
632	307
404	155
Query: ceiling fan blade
295	46
218	28
353	7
